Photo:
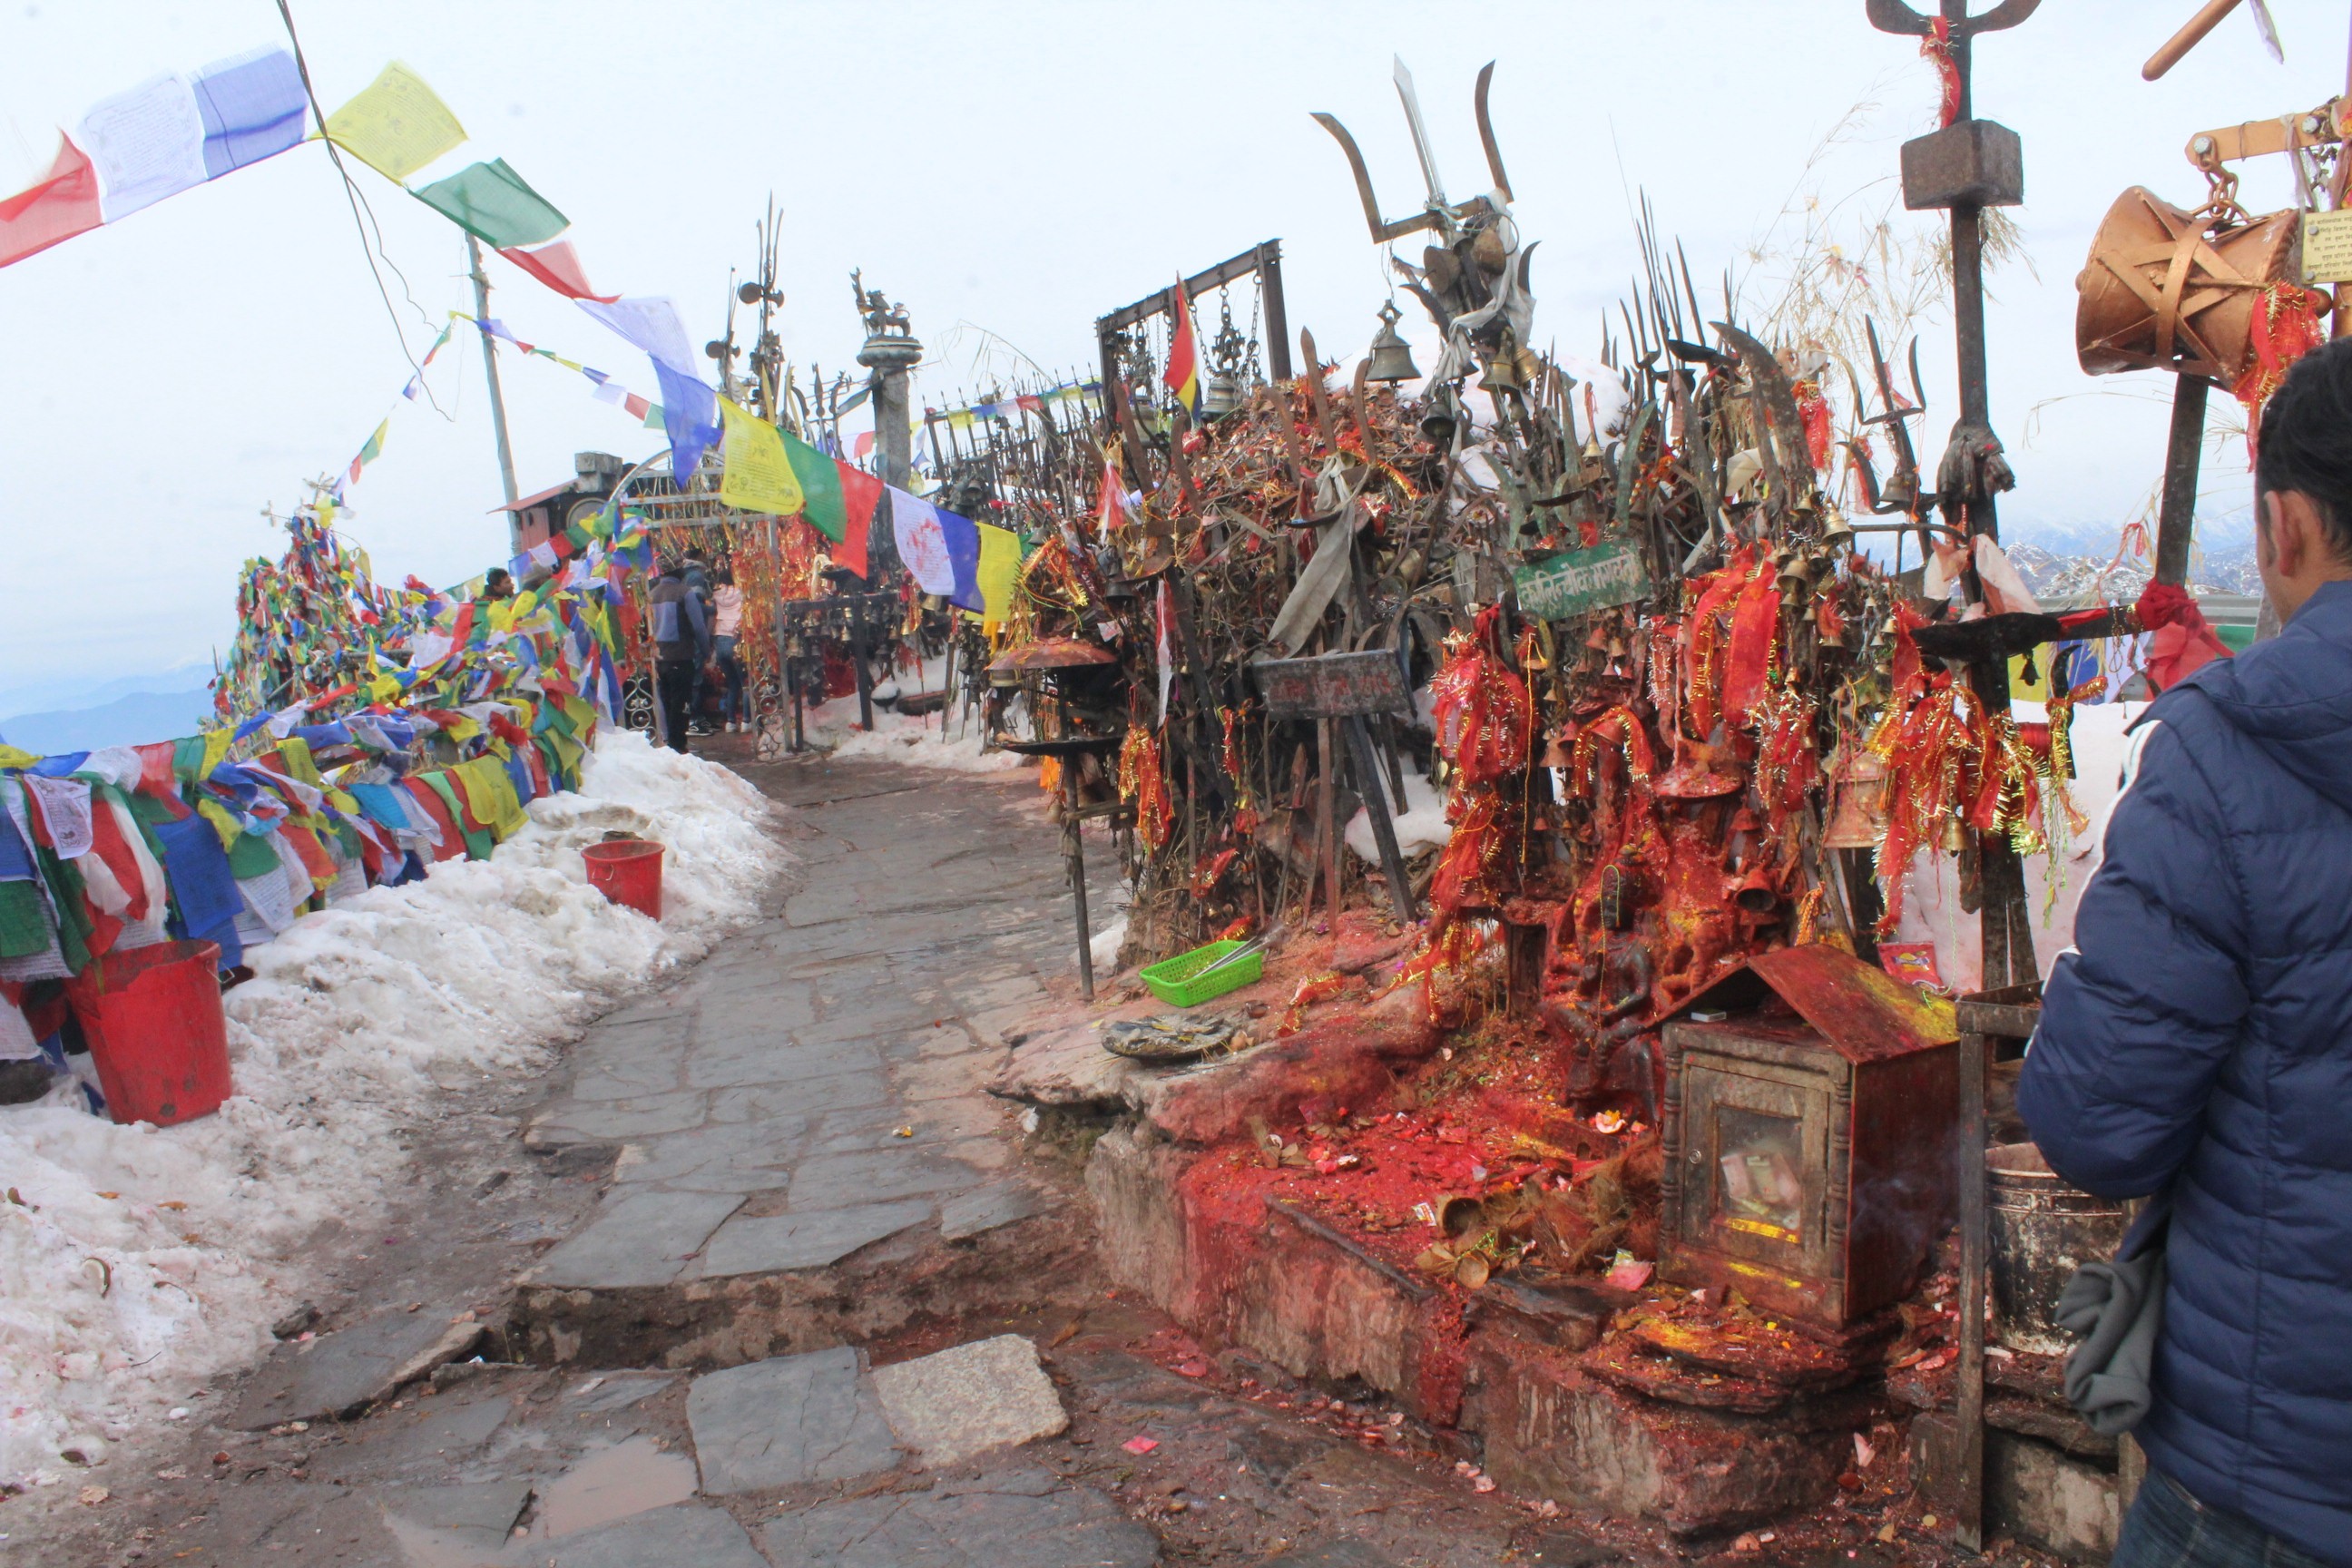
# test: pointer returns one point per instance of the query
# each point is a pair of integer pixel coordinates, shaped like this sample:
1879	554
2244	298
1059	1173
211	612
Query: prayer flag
759	474
1183	373
396	126
558	267
836	497
147	143
1000	569
370	451
922	545
63	203
490	201
688	414
941	550
253	105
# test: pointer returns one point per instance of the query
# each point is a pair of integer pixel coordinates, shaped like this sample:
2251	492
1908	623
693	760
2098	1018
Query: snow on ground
136	1262
940	741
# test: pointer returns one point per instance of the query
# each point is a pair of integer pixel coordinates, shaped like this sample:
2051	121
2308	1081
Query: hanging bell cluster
1220	397
1392	357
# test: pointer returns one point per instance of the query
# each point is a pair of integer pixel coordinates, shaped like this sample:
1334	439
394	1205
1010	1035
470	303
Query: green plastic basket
1172	980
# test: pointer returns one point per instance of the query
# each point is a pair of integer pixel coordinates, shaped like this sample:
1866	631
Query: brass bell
1220	398
1837	534
1391	356
1857	808
1502	372
1757	894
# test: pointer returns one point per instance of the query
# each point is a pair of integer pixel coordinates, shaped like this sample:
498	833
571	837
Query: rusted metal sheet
1051	653
1862	1011
1332	685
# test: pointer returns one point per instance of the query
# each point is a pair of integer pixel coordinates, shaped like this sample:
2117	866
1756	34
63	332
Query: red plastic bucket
628	871
153	1017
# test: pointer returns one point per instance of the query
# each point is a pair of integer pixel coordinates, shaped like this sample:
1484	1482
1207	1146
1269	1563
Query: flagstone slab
476	1515
1029	1519
767	1101
768	1245
777	1060
639	1238
338	1370
839	1181
958	1403
788	1421
686	1535
641	1116
985	1209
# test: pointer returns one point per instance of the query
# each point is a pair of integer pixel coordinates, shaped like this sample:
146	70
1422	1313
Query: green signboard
1581	581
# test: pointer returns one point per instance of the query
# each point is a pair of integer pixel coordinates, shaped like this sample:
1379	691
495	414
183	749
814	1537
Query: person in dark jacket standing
2197	1041
681	642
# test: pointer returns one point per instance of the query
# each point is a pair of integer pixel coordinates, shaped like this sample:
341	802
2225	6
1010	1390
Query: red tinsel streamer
1481	708
1937	46
1143	783
2285	327
1814	410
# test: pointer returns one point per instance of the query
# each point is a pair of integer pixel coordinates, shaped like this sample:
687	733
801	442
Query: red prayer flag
861	492
558	267
1182	375
62	204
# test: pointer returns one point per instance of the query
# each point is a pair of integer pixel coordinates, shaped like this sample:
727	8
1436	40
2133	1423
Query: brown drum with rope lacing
2168	289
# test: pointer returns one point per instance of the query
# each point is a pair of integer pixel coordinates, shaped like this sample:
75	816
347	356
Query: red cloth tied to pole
1938	46
1755	625
2179	642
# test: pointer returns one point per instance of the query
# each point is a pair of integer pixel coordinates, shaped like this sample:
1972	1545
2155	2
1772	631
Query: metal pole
1073	853
1969	1394
2182	454
497	399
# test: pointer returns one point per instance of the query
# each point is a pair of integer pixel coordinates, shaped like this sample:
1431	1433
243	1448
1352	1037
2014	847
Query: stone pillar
891	356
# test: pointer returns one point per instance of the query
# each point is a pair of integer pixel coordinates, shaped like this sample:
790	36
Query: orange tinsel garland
1143	783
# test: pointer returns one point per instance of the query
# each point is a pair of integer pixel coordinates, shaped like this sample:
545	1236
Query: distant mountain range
130	720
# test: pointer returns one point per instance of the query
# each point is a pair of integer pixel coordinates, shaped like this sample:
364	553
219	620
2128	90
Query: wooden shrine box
1812	1103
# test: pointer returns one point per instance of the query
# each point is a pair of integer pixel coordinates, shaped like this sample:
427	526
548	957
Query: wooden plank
1332	685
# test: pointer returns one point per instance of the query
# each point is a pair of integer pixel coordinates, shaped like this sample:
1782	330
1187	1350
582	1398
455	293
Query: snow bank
939	741
141	1262
1420	825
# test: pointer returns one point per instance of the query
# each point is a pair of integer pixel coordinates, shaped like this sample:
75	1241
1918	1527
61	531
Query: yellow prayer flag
1000	566
216	745
396	126
758	476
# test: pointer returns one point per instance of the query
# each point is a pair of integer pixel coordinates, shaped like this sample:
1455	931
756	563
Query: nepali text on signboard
1332	685
1612	572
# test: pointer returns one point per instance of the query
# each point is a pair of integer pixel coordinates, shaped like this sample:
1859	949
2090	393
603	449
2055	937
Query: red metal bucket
156	1031
629	872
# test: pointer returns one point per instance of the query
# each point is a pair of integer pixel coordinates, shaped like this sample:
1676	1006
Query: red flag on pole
1183	373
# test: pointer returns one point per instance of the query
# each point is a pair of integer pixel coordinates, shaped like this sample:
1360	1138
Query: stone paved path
743	1197
814	1086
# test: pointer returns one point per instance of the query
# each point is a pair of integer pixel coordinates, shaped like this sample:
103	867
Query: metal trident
1894	16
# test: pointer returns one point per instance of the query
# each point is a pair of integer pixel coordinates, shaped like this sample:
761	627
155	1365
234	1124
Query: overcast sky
1017	168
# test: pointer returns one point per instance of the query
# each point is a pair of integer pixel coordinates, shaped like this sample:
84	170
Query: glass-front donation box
1812	1171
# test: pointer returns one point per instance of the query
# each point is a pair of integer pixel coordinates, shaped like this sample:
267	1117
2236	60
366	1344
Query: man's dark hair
2305	441
497	574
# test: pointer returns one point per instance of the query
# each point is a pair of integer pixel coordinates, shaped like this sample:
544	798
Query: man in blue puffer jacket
2200	1039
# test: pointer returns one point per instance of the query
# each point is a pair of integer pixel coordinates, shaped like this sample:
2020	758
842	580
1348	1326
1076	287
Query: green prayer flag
490	201
820	477
24	921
